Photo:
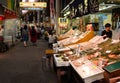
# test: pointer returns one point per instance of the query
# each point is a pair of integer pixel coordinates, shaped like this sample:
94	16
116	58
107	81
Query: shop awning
8	14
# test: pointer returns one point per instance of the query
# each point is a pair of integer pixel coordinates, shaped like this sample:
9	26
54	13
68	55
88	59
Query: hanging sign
33	4
63	22
83	7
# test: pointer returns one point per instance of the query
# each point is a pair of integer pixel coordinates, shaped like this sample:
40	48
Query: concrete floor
23	65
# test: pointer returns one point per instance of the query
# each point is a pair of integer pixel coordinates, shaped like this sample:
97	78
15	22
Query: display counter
98	54
59	62
60	66
88	71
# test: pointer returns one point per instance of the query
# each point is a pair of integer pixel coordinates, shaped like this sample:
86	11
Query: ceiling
112	1
106	6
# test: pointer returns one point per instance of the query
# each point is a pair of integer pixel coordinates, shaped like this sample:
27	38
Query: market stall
98	51
11	26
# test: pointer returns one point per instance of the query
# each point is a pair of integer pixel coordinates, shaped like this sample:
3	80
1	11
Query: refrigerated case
10	30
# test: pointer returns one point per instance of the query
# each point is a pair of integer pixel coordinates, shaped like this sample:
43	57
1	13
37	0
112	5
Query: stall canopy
8	14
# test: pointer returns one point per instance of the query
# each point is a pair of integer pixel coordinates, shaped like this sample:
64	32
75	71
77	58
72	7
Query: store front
97	59
1	14
98	15
11	26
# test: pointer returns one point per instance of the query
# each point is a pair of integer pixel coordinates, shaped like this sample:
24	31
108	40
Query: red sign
1	17
9	14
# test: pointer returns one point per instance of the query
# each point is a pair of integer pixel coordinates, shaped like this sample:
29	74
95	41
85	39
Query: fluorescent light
33	4
33	8
23	0
31	0
24	11
103	8
106	6
67	13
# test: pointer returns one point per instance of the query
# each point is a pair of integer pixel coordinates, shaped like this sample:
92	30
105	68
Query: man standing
107	33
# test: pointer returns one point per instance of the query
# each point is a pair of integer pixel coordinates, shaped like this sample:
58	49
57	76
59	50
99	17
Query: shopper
107	33
25	35
1	33
21	30
3	46
51	40
33	35
38	32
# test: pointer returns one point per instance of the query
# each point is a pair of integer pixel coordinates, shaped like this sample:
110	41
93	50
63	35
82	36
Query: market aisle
23	65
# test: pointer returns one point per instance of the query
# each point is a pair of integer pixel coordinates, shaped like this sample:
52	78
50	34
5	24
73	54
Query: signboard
93	6
33	4
63	22
33	8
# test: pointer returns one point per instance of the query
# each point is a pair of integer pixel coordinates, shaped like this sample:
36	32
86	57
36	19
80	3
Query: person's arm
110	36
102	33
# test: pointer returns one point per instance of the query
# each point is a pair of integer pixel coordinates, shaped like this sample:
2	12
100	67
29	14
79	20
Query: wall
108	20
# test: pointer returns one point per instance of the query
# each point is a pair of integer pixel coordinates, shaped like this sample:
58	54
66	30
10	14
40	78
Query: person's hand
105	35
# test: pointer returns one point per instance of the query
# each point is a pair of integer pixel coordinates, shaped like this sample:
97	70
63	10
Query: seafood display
66	35
92	43
77	39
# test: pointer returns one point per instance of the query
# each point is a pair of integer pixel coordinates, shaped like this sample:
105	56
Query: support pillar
38	17
57	16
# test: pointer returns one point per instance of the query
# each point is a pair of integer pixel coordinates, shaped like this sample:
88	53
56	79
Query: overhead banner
52	11
32	8
33	4
93	6
83	7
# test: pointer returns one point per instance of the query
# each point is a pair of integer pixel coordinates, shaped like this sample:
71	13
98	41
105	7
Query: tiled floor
23	65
